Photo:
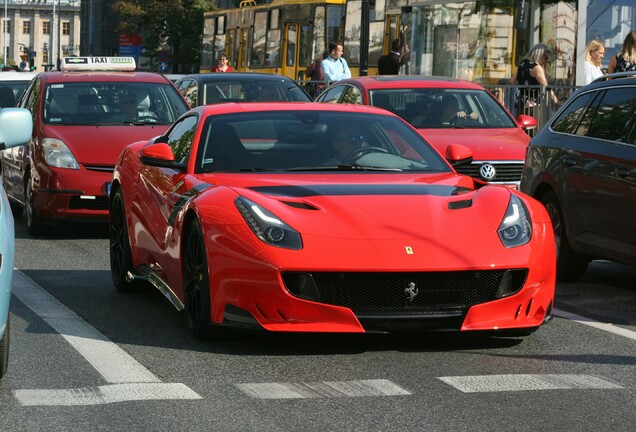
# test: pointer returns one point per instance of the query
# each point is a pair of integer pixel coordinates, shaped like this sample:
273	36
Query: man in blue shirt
334	67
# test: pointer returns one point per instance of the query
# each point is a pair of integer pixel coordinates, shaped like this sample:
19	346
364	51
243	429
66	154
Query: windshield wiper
254	169
343	168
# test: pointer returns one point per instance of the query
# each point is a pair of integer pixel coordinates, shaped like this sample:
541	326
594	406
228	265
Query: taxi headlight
268	227
57	154
516	227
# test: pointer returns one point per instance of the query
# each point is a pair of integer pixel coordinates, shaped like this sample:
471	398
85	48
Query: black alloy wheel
570	265
34	224
120	255
196	283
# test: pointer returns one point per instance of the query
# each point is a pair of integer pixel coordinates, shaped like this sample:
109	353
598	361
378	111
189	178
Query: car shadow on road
65	231
145	318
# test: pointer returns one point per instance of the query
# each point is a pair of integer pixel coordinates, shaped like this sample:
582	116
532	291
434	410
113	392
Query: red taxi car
306	217
476	119
83	117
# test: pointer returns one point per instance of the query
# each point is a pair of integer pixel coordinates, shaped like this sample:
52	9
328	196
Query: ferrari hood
101	145
382	210
486	144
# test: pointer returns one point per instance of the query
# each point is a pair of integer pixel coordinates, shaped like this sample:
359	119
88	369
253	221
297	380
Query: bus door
245	36
232	48
296	49
238	48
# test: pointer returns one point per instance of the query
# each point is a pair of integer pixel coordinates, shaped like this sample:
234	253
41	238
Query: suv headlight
268	227
57	154
516	226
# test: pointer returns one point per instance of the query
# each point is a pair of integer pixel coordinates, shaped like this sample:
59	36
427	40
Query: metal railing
534	101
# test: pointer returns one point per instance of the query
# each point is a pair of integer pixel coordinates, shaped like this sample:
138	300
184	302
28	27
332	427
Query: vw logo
487	171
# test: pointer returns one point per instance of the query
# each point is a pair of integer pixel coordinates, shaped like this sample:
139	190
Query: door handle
569	161
623	172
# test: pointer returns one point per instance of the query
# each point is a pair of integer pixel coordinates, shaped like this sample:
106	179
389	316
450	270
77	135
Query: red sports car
312	217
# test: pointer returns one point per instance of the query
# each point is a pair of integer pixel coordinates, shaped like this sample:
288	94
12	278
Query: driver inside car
346	141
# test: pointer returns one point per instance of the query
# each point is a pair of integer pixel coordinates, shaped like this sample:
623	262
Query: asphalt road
87	358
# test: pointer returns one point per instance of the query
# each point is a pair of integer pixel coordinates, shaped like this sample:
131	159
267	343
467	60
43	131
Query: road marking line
105	394
111	361
608	327
325	389
525	382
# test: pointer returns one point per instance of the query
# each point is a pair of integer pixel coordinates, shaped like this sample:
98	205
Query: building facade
39	32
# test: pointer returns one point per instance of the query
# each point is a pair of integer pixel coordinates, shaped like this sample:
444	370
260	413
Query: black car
582	167
212	88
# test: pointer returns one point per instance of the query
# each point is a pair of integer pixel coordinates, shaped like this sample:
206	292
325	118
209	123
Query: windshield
444	108
112	103
11	92
295	141
253	91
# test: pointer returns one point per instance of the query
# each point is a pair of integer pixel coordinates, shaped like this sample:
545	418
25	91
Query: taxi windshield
111	103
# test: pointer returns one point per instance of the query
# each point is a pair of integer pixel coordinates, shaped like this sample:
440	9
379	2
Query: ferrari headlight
516	227
57	154
268	227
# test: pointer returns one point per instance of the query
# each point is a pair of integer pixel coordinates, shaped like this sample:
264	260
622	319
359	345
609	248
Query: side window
611	118
182	85
191	94
181	136
352	95
569	119
332	95
31	96
631	137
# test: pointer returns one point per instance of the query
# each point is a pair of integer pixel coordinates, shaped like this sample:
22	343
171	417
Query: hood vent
300	205
455	205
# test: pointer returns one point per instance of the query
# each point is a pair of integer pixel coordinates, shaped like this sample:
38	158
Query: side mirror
527	122
458	155
160	155
16	127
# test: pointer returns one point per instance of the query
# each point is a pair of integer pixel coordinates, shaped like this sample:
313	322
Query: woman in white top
594	53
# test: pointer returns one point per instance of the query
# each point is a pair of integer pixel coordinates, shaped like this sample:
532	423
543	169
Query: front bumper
72	194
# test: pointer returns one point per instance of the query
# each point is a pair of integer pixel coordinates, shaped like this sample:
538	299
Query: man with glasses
346	140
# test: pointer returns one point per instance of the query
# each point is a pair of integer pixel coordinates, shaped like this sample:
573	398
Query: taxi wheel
34	224
4	348
570	265
16	209
196	283
120	254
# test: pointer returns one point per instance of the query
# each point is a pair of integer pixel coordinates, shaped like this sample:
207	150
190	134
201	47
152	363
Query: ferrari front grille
400	294
505	172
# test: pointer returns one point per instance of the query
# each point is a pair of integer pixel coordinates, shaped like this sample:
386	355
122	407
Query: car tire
34	224
16	209
119	245
196	286
4	348
570	265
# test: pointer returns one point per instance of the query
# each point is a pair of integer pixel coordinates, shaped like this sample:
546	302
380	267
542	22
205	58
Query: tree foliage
176	24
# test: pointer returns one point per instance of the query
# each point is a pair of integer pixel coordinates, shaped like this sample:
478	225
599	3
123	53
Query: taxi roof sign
111	64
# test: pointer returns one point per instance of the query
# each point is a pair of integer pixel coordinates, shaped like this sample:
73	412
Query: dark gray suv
582	167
